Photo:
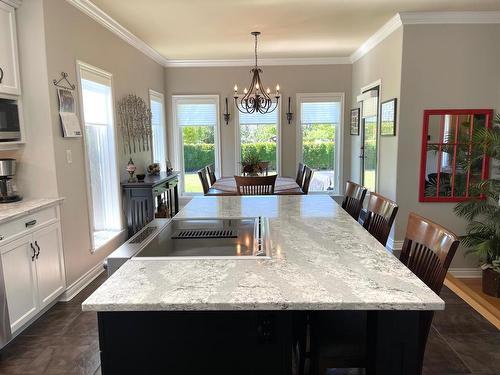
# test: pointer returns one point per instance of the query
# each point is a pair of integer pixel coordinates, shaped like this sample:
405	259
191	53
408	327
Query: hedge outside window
451	165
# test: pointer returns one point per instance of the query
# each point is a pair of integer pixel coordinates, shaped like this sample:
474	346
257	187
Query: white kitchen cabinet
9	65
32	261
49	263
20	281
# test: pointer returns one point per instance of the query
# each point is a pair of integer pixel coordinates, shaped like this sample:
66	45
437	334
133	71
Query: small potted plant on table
252	165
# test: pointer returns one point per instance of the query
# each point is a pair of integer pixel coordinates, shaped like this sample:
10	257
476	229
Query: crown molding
403	18
13	3
94	12
387	29
262	62
426	18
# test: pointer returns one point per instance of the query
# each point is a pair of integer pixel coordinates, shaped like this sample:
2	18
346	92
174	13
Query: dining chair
211	174
338	340
300	175
308	173
380	216
202	174
428	250
353	199
255	185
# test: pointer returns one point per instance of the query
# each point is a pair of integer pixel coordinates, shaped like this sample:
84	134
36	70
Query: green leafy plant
483	230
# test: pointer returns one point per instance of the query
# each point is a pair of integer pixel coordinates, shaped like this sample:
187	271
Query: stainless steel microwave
9	120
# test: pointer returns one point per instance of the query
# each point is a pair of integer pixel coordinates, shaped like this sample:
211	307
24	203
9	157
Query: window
452	164
158	127
258	134
196	137
319	138
100	154
369	123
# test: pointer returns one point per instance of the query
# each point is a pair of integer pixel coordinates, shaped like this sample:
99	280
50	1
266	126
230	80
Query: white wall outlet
69	157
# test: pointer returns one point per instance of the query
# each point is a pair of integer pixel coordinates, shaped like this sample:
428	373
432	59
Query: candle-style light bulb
257	86
277	88
245	90
268	90
235	88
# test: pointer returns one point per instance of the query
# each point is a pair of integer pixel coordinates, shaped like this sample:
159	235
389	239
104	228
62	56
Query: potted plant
251	163
483	230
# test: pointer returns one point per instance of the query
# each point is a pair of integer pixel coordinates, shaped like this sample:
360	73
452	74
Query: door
9	74
18	261
49	263
369	126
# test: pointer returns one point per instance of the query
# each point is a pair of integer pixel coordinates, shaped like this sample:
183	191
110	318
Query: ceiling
220	29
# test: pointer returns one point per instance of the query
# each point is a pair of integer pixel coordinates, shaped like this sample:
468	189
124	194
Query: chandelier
256	99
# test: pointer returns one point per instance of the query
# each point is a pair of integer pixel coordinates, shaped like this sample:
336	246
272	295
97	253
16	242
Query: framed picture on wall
388	117
355	121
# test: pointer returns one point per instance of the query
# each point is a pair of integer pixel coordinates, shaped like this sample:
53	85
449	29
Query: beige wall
382	63
70	36
292	79
444	66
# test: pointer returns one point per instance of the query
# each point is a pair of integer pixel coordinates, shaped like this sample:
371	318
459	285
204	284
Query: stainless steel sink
210	239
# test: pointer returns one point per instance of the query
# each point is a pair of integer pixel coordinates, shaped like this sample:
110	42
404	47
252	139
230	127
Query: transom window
196	137
319	138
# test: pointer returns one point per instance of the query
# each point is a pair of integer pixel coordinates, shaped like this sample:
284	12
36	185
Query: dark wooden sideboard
156	196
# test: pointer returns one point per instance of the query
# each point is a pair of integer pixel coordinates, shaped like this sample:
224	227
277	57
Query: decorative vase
491	282
131	170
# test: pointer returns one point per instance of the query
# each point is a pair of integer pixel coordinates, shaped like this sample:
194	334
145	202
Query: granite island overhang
321	259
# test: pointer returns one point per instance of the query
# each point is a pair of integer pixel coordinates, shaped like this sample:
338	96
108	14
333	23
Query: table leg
176	198
393	343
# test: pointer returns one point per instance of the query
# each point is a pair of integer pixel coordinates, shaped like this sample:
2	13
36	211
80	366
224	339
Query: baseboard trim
81	283
466	273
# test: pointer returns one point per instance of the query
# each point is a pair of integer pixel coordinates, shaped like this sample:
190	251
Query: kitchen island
235	316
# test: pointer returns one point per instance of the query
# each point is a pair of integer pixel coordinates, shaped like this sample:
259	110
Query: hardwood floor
65	341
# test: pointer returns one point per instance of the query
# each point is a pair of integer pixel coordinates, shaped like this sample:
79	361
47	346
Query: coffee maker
8	191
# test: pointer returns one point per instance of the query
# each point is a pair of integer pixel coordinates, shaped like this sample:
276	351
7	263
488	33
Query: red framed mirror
451	164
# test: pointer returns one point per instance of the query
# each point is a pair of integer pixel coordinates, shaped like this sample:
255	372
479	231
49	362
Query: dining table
227	186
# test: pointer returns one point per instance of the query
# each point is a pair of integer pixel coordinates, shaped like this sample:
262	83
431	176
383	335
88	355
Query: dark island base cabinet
198	343
238	342
156	196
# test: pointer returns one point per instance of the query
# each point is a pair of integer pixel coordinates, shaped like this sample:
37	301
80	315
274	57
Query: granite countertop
10	211
322	259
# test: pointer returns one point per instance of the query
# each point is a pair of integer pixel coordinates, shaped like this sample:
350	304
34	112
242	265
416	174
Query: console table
156	196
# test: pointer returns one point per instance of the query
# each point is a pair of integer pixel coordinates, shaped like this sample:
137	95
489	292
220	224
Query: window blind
194	114
320	113
259	118
157	121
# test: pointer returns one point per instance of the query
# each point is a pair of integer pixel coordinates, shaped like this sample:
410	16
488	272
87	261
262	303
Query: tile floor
65	341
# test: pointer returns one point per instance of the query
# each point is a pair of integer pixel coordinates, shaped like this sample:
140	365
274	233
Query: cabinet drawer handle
34	252
30	223
1	75
38	247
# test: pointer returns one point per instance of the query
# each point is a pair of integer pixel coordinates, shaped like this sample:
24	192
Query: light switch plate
69	157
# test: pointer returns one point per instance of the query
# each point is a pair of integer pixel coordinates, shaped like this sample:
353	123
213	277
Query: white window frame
108	76
339	134
237	143
159	97
178	156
